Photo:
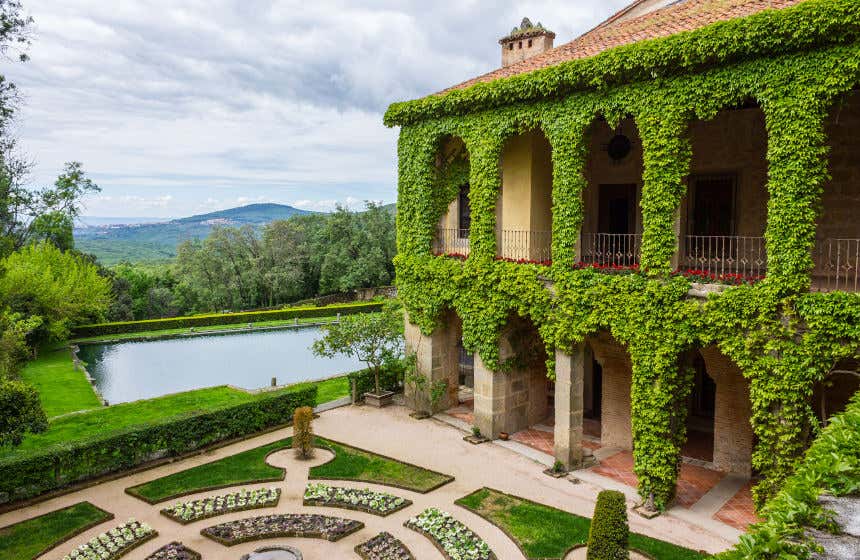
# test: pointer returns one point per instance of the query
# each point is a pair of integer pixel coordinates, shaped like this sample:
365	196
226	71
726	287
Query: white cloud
214	101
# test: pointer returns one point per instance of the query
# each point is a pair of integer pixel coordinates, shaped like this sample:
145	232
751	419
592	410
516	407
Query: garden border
247	507
283	534
338	505
75	533
435	541
450	478
364	556
220	486
513	540
192	553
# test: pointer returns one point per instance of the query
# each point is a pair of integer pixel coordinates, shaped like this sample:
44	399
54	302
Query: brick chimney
525	41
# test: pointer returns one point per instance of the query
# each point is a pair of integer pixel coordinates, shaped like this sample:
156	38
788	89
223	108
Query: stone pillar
490	396
733	435
615	423
569	375
437	360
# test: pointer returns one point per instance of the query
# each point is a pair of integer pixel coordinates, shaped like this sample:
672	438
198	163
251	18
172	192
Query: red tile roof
683	15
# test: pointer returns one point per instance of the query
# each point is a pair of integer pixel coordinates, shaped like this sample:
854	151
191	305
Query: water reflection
138	370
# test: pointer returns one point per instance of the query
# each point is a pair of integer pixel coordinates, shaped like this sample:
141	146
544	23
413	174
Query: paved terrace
432	444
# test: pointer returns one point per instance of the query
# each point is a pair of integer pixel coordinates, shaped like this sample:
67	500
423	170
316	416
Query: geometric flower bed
366	500
282	525
383	547
174	551
195	510
453	539
114	543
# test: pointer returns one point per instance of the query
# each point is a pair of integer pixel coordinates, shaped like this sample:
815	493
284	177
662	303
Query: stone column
569	375
490	399
436	359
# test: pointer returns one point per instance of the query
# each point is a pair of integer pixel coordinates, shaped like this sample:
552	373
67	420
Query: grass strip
31	538
543	532
249	467
62	387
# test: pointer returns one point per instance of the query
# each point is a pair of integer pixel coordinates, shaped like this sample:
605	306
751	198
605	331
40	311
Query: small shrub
303	433
20	412
607	538
558	467
476	431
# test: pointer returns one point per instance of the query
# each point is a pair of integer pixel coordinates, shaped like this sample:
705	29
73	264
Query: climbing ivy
795	63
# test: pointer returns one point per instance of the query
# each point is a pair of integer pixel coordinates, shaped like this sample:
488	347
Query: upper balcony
720	223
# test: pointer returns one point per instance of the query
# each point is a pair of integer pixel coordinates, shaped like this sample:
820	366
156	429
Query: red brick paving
465	411
739	511
693	482
536	439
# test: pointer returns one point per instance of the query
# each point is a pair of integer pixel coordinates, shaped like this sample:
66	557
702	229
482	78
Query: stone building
571	176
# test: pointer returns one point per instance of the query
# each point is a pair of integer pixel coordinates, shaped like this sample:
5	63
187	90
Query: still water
130	371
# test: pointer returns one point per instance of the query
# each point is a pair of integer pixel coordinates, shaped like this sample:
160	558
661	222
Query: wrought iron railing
837	265
525	245
451	241
724	255
611	249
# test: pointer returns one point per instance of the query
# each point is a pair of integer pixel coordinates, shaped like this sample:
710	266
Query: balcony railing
837	265
525	245
451	241
611	249
721	255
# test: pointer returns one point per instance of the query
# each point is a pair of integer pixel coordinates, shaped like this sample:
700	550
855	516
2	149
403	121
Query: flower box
380	400
114	543
364	500
204	508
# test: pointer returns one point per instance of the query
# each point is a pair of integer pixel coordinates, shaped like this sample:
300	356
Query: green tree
61	287
373	338
20	412
14	351
54	227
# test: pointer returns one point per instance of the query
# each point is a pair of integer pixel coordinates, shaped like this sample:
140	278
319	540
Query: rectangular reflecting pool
133	370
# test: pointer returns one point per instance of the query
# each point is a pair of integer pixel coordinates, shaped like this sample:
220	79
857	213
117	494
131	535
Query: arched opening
519	398
592	397
524	205
701	410
724	214
837	245
612	225
451	199
832	394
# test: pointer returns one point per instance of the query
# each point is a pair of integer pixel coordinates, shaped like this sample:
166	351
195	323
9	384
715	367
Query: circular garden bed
204	508
284	525
365	500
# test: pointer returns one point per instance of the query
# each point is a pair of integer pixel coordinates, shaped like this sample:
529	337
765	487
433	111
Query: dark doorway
466	366
464	215
617	209
701	408
713	208
596	390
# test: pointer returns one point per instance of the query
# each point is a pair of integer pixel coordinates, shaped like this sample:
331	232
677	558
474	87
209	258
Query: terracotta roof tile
684	15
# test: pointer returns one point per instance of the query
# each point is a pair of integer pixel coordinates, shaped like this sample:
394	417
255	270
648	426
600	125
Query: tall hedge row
101	329
33	473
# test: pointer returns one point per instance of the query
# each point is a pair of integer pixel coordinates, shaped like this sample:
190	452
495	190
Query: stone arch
831	395
612	220
524	202
451	197
733	434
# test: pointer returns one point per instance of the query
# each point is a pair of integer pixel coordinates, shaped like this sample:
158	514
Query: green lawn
185	330
28	539
250	467
62	388
545	532
243	468
351	463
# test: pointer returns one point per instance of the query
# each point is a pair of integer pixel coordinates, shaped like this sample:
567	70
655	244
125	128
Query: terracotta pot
504	436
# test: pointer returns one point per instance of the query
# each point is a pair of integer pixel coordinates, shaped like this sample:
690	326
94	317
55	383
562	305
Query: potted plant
373	338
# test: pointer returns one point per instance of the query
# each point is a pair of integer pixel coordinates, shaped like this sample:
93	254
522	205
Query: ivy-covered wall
795	64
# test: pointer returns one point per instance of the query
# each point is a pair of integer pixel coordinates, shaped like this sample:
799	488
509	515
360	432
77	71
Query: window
712	210
464	213
510	46
530	43
520	45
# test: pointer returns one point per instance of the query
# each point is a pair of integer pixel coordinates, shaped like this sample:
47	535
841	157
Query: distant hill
158	241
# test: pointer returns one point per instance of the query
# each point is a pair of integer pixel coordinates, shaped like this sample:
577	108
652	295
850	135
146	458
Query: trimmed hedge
101	329
609	534
20	411
389	378
63	464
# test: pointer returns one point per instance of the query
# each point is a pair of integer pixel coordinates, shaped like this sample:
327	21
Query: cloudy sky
178	107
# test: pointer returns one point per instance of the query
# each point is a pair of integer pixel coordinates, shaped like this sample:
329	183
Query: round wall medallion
619	147
277	552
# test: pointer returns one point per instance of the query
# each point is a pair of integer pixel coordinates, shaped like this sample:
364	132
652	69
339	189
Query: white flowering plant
456	540
114	543
364	499
186	512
